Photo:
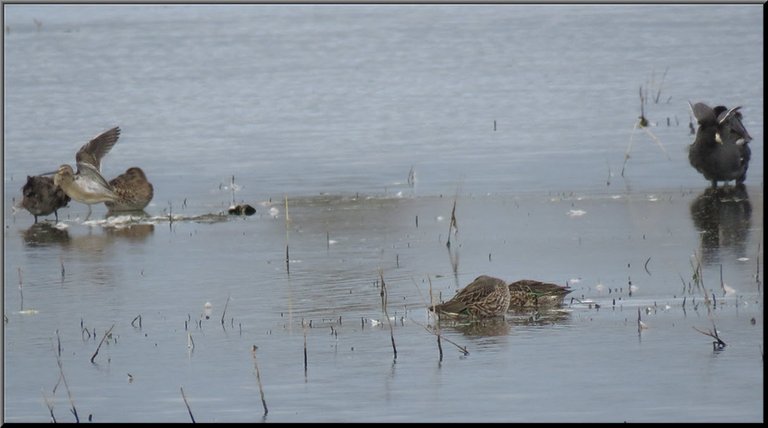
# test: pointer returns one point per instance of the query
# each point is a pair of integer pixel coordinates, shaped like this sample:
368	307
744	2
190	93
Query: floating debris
242	209
576	213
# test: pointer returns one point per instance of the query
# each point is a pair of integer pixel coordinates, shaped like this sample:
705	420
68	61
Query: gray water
521	115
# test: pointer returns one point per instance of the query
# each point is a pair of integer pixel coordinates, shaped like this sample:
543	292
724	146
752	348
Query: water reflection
723	216
483	327
544	317
135	233
45	233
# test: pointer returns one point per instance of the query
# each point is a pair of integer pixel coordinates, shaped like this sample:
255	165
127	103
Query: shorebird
529	293
720	150
88	185
133	190
485	297
42	197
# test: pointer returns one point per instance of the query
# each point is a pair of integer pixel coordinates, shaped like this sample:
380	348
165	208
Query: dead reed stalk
718	344
453	226
191	416
101	343
63	378
384	306
258	379
21	291
227	302
436	331
287	230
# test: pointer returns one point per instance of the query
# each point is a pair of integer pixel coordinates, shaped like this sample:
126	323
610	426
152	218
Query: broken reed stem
757	273
698	278
187	404
722	284
629	147
304	327
21	291
437	322
102	342
452	226
384	305
225	304
258	379
718	343
287	229
66	386
170	215
49	405
463	349
138	317
232	187
436	332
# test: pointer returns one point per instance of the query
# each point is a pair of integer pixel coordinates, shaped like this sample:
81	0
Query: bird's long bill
50	173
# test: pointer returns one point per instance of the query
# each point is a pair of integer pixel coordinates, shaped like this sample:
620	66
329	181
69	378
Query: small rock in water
242	209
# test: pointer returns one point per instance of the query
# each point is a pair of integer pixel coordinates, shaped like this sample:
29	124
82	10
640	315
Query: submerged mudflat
189	299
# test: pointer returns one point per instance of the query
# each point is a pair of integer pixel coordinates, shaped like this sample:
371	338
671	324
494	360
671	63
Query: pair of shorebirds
130	191
720	150
490	297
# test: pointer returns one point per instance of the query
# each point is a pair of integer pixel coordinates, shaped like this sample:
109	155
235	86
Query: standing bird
720	150
485	297
133	190
529	293
42	197
88	185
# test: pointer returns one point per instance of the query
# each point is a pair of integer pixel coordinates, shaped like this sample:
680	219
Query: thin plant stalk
101	343
384	306
258	379
191	416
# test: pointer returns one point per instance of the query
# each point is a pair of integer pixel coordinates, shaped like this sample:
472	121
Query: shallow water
332	107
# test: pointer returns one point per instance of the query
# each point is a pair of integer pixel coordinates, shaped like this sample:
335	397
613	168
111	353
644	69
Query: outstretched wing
92	151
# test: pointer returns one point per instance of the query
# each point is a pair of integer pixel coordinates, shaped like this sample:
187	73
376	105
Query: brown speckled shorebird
42	197
133	190
529	293
485	297
88	185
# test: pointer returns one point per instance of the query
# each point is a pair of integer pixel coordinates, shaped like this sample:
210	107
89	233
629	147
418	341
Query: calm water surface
521	115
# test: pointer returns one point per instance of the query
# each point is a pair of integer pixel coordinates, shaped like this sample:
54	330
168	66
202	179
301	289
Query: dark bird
88	185
529	293
720	150
485	297
42	197
133	190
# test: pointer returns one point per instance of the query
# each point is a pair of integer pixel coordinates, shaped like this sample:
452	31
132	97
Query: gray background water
331	107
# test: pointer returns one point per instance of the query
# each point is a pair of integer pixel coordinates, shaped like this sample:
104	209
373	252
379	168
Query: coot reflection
723	216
